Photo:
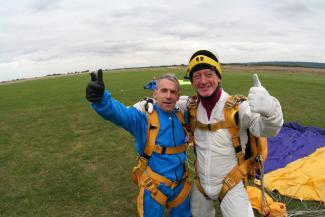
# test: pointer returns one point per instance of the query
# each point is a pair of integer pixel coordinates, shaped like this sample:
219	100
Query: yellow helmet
203	59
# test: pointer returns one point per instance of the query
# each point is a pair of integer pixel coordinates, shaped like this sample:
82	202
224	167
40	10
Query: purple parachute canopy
293	142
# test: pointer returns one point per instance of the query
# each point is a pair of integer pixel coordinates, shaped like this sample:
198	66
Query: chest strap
169	150
214	126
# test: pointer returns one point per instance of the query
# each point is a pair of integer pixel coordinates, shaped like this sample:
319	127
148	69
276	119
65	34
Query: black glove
148	105
95	88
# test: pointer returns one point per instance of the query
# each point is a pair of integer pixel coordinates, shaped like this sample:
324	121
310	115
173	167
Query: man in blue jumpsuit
171	134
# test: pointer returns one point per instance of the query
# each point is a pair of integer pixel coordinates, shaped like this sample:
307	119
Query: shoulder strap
232	104
259	147
231	115
180	117
153	129
192	111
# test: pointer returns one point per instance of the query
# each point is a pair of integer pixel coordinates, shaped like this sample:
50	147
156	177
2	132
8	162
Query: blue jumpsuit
170	134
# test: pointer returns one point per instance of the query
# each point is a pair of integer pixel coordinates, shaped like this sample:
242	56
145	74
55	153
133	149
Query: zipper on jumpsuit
174	141
208	162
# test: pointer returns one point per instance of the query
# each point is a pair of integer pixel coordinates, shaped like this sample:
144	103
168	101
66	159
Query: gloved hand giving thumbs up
95	88
259	99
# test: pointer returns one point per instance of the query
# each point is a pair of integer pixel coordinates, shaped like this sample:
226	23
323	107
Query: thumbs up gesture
259	99
95	88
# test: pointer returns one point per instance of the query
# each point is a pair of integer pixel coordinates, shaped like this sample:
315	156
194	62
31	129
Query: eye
163	90
197	76
209	74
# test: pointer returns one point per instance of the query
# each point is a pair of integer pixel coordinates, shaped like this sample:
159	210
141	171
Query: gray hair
168	76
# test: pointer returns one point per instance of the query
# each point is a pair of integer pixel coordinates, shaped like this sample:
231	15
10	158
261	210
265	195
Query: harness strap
192	112
238	149
147	183
169	150
238	173
157	179
182	194
153	130
180	117
241	170
150	180
197	181
214	126
186	127
229	111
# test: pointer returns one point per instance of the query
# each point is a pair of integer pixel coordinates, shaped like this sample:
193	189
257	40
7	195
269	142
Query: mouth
168	103
204	88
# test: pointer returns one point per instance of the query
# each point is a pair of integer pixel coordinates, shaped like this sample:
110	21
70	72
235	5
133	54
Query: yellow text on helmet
201	59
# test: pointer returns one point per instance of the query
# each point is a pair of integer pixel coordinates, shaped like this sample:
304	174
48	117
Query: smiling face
166	94
205	82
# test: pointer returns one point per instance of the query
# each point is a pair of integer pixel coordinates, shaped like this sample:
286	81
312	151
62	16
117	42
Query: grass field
58	158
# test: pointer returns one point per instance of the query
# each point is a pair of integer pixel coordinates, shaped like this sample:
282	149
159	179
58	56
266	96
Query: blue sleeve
130	119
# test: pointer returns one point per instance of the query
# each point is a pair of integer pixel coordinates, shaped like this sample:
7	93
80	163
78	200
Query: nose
169	94
203	79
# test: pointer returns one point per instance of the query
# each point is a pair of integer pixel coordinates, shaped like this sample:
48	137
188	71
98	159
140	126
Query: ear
194	86
178	95
154	94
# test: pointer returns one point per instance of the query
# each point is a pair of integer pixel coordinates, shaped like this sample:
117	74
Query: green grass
59	158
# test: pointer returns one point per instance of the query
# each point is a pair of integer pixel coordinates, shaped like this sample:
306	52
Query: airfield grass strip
58	158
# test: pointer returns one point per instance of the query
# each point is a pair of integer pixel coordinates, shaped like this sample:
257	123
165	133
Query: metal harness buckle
150	186
229	182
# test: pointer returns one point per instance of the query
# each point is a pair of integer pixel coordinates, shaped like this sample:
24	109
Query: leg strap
239	172
148	183
151	180
157	179
140	202
198	183
199	187
182	194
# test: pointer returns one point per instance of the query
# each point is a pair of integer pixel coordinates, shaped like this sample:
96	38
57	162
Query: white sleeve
259	125
181	104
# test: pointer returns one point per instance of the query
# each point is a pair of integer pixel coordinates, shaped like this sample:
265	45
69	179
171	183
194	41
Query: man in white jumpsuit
216	157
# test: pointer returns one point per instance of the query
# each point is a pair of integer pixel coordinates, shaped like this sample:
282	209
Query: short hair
168	76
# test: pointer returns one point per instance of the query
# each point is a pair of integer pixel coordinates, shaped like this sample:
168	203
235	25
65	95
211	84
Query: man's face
166	94
205	82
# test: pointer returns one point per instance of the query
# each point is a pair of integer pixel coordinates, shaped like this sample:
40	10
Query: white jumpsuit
216	156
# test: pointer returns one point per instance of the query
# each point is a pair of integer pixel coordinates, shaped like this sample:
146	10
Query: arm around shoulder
182	103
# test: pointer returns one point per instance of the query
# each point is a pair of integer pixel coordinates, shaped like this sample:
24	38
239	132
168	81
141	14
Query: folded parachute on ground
295	162
267	206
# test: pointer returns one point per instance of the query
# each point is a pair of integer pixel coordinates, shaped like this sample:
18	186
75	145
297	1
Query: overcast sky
39	37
